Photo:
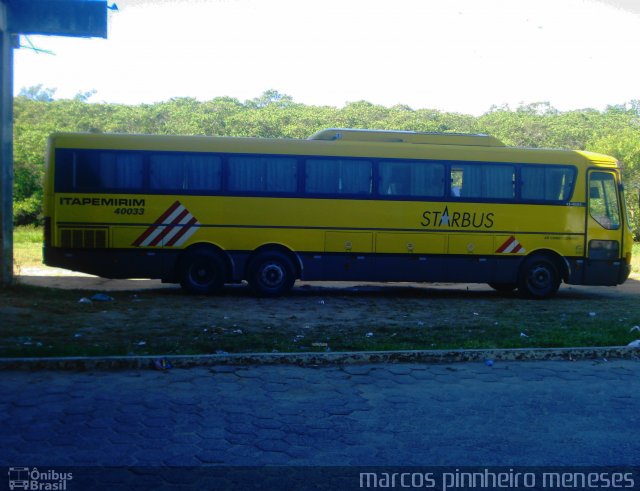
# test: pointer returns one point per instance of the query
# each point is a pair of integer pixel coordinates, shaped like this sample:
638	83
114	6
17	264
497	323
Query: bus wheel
271	274
202	271
503	287
538	277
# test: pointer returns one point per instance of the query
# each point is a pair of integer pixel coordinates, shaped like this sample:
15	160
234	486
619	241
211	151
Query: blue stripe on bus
329	229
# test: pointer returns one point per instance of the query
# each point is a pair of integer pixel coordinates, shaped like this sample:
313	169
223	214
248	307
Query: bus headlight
604	249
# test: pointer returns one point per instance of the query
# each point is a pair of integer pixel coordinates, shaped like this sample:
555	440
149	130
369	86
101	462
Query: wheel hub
540	277
272	275
202	274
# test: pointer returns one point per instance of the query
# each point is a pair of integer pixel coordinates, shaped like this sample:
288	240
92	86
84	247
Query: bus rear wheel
539	277
202	272
271	274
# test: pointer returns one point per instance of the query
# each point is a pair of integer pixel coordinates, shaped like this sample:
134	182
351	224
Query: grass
51	322
46	322
27	247
28	234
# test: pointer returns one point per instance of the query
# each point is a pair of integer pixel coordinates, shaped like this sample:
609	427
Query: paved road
514	413
511	414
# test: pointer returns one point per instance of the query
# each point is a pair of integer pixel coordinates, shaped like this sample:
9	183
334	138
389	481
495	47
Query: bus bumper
598	272
113	263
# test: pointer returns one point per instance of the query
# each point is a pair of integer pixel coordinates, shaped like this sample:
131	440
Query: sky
451	55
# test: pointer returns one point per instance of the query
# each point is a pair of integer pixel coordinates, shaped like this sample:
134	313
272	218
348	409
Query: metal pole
66	17
6	153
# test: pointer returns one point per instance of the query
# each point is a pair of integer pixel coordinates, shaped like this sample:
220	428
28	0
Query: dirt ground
148	317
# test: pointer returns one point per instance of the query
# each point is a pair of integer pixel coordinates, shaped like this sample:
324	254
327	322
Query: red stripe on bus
169	228
159	221
504	246
183	231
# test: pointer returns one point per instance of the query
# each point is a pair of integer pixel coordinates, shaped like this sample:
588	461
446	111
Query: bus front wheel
202	272
271	274
539	277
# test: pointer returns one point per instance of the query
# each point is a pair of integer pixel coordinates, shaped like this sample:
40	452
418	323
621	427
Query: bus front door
604	230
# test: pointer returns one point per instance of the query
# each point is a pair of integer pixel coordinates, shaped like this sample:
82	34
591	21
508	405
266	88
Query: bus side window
456	182
203	173
65	176
419	179
395	179
546	183
109	171
85	172
263	174
185	172
166	172
485	180
338	176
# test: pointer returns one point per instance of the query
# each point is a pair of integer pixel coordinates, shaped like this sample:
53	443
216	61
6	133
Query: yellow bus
343	205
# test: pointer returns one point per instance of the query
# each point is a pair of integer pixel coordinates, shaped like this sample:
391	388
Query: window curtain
202	173
263	174
550	184
533	183
339	176
556	184
166	172
120	170
427	180
471	181
411	179
395	178
355	177
185	172
499	181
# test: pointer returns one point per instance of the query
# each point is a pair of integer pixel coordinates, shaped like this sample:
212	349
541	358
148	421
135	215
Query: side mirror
594	193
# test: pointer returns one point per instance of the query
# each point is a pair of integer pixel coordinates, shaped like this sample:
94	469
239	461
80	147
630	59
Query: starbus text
457	219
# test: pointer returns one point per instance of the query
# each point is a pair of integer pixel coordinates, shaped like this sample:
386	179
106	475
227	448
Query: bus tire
202	271
503	287
271	274
539	277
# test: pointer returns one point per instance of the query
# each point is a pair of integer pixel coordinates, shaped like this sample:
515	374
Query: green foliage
614	131
28	211
625	145
37	93
28	234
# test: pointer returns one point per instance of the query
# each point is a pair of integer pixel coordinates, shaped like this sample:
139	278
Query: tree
85	96
625	146
615	131
269	98
37	93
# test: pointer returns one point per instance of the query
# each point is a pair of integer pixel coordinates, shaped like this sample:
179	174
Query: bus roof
386	136
599	158
341	142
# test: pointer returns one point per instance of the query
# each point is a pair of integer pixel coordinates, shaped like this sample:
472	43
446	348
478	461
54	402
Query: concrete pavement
542	413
